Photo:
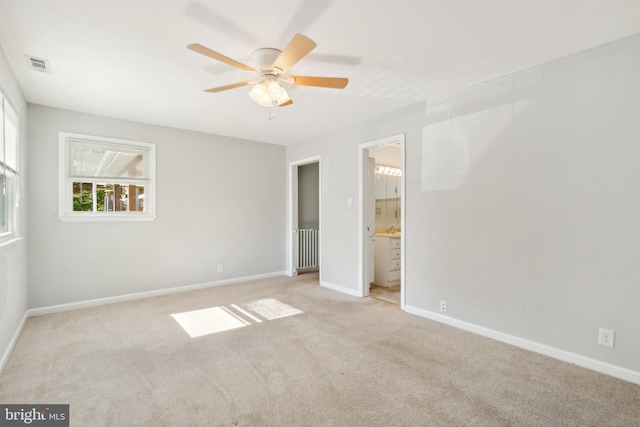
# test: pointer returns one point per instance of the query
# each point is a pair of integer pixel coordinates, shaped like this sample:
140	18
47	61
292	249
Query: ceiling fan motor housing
264	59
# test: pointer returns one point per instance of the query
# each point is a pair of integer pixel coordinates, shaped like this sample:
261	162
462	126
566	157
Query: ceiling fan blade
227	87
284	104
297	49
330	82
220	57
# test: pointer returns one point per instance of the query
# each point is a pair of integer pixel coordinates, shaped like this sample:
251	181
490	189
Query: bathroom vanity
387	259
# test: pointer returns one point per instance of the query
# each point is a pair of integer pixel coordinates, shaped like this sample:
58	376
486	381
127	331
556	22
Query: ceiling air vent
38	64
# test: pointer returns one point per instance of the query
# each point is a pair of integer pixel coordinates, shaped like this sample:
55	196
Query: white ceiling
128	58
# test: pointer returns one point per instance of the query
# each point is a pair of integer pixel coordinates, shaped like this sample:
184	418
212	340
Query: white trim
565	356
12	186
149	294
3	93
361	233
12	343
107	217
291	269
9	241
334	287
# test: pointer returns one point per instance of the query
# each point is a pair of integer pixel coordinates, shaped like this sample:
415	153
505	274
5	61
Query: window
9	176
105	179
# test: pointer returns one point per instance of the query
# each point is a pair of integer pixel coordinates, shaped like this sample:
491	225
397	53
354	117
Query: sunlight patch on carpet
212	320
271	308
208	321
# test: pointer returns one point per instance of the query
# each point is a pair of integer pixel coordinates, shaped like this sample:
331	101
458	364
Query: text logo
34	415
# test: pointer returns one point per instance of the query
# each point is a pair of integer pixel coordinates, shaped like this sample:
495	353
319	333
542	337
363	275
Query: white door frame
362	234
293	212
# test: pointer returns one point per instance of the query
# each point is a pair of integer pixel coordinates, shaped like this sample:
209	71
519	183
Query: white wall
220	201
522	207
13	258
339	245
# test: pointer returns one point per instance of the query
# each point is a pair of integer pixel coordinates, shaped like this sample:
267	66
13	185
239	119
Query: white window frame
11	182
65	181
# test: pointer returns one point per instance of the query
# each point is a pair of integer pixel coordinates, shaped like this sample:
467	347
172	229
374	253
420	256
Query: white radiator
308	248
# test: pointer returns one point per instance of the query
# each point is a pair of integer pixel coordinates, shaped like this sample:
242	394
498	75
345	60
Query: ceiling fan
270	65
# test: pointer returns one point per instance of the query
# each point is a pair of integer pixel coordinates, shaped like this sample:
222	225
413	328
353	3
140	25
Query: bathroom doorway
304	199
382	219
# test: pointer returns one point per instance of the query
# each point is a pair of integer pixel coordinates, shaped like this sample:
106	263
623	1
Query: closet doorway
305	231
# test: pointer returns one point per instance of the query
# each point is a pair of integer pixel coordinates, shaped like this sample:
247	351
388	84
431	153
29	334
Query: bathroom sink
396	234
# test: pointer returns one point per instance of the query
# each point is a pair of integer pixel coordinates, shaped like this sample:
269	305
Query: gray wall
309	196
13	258
219	201
522	205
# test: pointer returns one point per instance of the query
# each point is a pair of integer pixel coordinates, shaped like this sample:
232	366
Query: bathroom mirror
387	197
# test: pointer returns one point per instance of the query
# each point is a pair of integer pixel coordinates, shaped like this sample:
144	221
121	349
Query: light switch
349	202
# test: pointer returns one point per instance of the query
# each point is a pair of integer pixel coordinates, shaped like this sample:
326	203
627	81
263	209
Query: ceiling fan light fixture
260	95
268	93
284	96
275	90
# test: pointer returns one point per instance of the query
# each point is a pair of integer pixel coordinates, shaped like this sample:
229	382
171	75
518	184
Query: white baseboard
12	343
348	291
565	356
149	294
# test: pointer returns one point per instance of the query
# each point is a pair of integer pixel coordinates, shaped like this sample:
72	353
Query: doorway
382	219
304	246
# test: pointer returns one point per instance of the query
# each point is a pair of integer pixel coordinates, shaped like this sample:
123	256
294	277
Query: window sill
9	242
107	218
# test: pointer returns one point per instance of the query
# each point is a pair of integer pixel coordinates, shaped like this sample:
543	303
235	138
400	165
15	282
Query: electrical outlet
443	305
606	337
220	268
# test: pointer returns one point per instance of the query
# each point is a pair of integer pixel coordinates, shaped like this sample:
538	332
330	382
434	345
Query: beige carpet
295	354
